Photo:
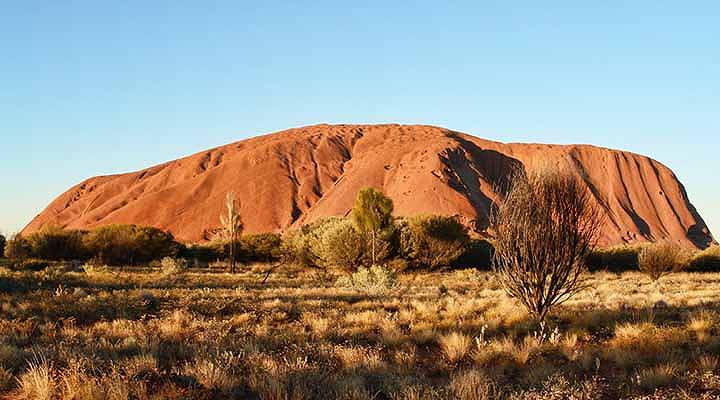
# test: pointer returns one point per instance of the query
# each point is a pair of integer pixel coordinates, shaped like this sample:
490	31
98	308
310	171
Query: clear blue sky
92	87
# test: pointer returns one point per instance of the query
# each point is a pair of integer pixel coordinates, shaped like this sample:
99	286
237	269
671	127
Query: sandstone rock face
296	176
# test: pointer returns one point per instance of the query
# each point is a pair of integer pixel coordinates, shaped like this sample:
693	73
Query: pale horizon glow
92	89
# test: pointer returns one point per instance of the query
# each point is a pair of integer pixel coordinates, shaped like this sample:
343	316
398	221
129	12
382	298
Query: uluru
296	176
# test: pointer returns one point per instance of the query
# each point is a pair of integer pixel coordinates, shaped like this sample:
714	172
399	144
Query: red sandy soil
296	176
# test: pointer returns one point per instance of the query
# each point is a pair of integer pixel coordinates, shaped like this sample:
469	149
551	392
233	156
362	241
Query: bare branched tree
545	229
232	227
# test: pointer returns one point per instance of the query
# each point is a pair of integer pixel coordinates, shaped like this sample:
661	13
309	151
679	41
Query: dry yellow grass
141	335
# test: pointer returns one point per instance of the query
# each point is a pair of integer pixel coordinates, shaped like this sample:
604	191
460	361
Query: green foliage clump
2	245
130	244
260	247
707	260
325	243
55	243
616	258
433	241
295	246
374	280
336	244
372	217
202	253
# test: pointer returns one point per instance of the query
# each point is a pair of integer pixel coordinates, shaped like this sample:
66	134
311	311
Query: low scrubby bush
57	244
374	280
336	244
659	259
260	247
707	260
326	243
171	266
130	244
202	253
616	258
432	241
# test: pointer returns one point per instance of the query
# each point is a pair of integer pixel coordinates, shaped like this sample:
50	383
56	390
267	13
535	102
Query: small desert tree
371	216
545	229
232	227
2	244
660	259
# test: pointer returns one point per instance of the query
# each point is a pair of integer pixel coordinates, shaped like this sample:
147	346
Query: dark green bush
260	247
202	253
432	241
477	253
616	258
54	243
2	245
130	244
707	260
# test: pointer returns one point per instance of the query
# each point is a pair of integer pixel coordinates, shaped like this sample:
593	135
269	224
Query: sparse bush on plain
660	259
545	230
433	241
374	280
171	265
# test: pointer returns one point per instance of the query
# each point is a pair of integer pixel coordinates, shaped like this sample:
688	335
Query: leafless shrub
545	230
660	259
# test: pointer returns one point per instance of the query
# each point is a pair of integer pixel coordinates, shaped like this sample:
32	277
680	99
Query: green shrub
130	244
204	253
372	217
660	259
2	245
616	258
707	260
433	241
296	245
336	244
260	247
17	248
312	244
55	243
374	280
